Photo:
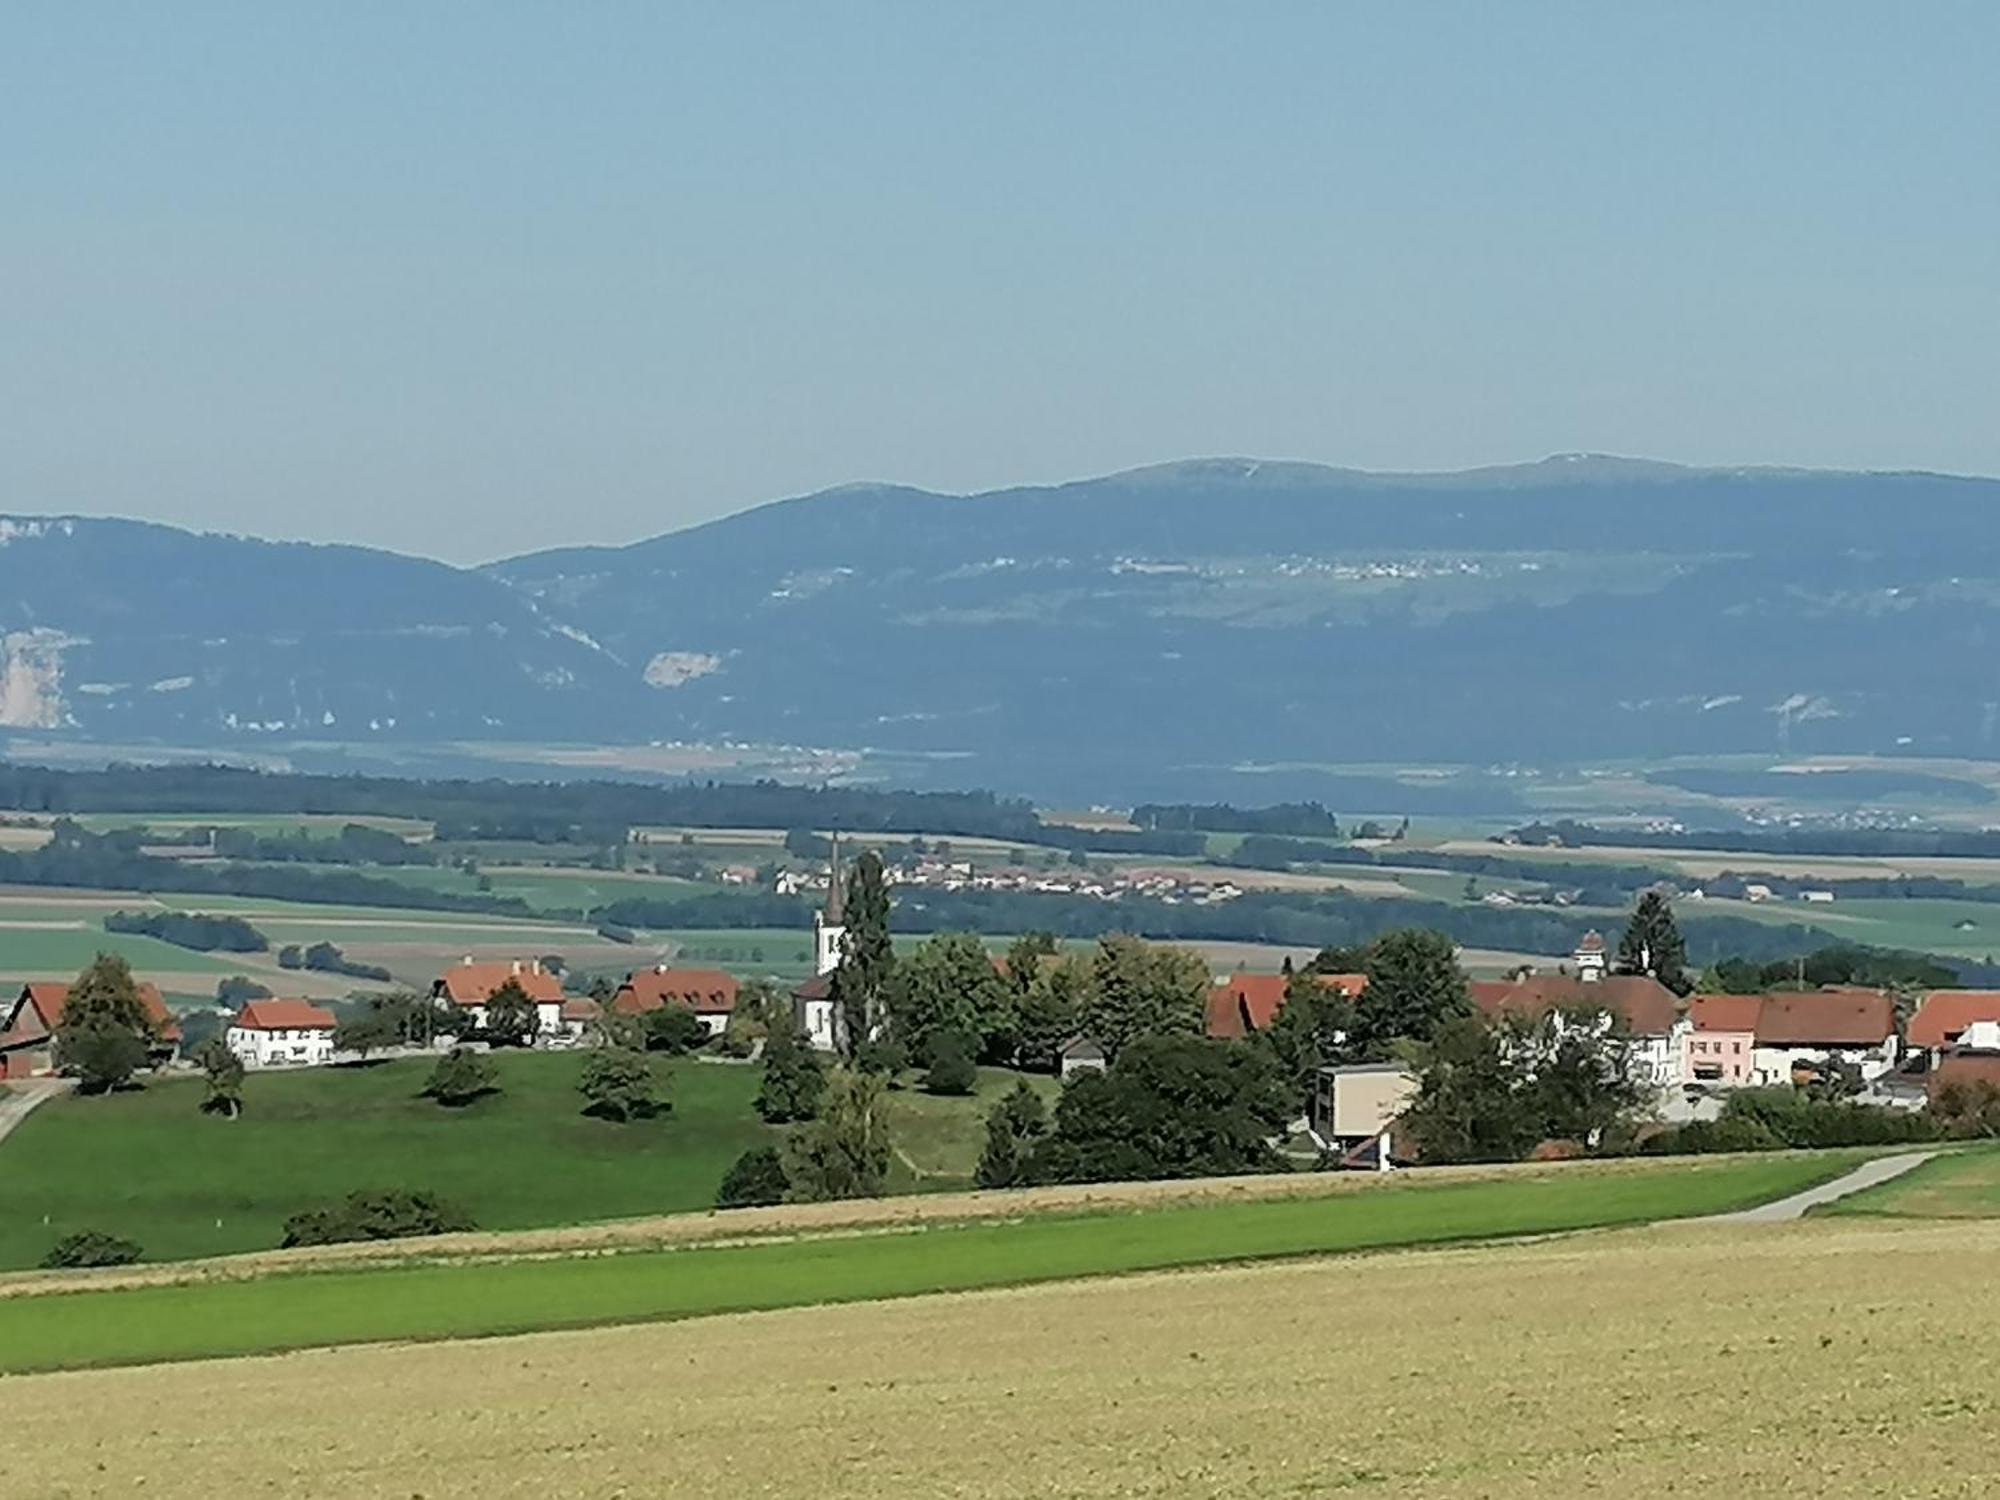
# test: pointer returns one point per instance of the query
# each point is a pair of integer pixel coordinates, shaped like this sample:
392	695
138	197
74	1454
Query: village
1688	1054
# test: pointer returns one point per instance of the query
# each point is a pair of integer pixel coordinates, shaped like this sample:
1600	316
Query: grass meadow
196	1319
149	1166
1955	1185
1839	1360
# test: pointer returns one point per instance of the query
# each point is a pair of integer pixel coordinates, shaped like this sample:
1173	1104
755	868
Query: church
813	1004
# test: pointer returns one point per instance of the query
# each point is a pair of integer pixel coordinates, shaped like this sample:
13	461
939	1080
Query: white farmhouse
281	1034
470	985
1856	1026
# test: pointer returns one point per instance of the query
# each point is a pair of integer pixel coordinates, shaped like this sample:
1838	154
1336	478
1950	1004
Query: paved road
1869	1174
23	1095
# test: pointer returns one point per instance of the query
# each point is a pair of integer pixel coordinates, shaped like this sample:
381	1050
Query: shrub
392	1215
951	1071
673	1029
617	1084
460	1077
793	1079
756	1179
90	1248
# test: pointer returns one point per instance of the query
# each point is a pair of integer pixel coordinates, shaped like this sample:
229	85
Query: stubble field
1839	1359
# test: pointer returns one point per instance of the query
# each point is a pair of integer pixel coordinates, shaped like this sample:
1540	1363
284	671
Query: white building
1652	1019
281	1034
813	1001
470	985
1855	1026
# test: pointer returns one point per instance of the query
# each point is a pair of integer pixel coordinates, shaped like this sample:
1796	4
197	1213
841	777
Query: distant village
1689	1052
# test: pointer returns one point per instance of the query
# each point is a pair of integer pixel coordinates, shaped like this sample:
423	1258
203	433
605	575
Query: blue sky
471	279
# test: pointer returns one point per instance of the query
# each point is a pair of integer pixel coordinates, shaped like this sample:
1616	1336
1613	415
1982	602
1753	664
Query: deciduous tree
511	1017
104	1035
618	1084
867	957
793	1078
673	1029
460	1077
951	1070
844	1151
949	984
1168	1106
222	1071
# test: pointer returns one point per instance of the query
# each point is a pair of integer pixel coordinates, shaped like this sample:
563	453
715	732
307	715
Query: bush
392	1215
1782	1118
951	1071
793	1079
673	1029
755	1180
460	1077
617	1084
90	1248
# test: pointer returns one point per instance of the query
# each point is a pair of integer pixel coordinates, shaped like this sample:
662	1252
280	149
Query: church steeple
830	923
836	897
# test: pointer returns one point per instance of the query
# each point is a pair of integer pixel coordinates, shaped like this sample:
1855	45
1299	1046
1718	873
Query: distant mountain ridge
1158	630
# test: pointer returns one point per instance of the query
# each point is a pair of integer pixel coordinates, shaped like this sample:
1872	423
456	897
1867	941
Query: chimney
467	960
516	966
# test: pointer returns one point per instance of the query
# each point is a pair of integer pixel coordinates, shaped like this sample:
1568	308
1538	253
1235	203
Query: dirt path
1869	1174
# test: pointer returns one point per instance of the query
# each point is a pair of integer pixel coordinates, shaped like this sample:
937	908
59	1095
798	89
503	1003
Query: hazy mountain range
1168	621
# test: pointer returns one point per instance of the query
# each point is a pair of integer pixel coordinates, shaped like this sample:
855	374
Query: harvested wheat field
1840	1358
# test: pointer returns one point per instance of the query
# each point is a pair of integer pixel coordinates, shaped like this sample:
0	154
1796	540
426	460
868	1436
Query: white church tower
813	1000
830	924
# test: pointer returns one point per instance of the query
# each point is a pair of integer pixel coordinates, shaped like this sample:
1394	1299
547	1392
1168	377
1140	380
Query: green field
143	1324
938	1140
149	1166
33	953
268	825
1957	1185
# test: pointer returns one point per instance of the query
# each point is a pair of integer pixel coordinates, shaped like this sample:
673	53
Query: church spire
836	898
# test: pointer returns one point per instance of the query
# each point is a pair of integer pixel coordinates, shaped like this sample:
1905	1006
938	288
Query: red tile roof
1257	998
582	1008
1244	1003
1647	1007
474	984
1945	1013
1725	1012
46	999
283	1015
1826	1018
708	992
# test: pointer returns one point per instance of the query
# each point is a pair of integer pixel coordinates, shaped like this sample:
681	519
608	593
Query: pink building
1721	1048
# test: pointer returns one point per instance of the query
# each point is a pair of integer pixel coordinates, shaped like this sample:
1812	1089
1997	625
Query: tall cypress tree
1652	944
866	956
